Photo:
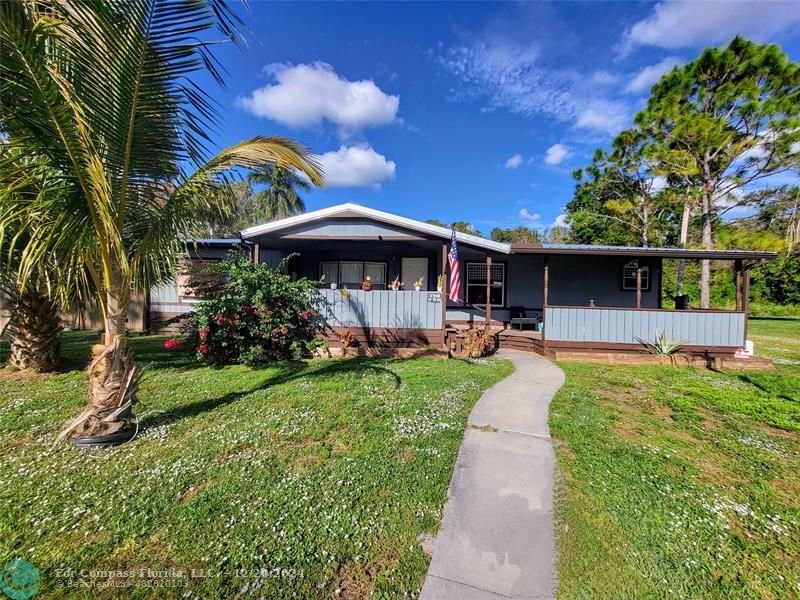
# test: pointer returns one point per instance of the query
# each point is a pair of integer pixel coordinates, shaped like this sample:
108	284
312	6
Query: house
573	298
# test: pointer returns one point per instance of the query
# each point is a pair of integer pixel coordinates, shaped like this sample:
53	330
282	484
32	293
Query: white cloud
603	77
356	166
509	75
658	183
305	95
648	76
689	24
556	154
603	115
529	217
514	161
561	221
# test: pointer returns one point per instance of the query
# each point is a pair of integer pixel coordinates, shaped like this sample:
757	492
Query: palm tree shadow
288	372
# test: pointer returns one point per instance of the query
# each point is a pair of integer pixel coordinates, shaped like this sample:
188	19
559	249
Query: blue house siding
620	326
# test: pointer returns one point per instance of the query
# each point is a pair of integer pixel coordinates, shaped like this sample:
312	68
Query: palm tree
34	302
280	199
101	92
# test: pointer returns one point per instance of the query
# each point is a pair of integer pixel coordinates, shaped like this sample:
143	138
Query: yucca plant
661	344
101	92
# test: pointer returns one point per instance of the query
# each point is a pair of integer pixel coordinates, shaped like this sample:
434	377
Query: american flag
454	289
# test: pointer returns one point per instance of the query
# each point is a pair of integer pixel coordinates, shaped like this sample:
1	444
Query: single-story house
542	297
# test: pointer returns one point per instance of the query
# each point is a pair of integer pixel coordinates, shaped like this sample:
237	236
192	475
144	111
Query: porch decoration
440	283
396	284
366	285
418	284
478	341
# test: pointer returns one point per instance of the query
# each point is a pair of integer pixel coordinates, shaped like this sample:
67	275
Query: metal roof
696	253
350	208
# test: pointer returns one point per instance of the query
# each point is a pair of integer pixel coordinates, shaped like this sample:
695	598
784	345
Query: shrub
256	316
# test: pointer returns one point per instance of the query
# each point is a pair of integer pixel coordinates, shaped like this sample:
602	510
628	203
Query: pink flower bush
172	344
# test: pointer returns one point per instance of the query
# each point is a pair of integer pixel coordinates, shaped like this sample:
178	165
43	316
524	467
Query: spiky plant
103	93
661	344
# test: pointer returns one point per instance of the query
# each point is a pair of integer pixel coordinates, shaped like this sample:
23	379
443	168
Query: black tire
104	441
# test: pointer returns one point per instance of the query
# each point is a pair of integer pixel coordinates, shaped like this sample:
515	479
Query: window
476	284
329	272
414	269
629	276
349	274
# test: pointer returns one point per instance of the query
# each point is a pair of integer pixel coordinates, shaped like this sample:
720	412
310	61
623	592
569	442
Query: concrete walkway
496	539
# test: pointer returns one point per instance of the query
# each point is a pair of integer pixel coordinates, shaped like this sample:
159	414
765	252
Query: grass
681	483
309	478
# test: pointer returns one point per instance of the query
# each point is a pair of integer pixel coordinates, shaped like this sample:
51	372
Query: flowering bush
172	344
256	316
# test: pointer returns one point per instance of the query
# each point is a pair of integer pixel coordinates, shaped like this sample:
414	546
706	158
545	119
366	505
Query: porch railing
380	309
623	326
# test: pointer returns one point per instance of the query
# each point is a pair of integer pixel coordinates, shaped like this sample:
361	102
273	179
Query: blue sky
466	111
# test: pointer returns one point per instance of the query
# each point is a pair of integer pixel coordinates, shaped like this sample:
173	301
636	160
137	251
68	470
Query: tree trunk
684	239
113	378
705	269
33	329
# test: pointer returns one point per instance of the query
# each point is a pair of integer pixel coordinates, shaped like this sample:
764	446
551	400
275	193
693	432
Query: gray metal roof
696	253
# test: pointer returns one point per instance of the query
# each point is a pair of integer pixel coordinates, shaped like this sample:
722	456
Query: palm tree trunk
113	378
33	329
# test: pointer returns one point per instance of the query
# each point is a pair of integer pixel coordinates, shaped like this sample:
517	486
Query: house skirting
387	337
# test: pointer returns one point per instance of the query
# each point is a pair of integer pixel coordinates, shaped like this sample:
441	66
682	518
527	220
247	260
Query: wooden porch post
746	302
638	285
545	294
444	285
256	253
488	290
546	283
737	268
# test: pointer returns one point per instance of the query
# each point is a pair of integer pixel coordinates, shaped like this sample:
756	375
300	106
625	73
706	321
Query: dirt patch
664	412
628	430
12	375
426	541
189	494
787	488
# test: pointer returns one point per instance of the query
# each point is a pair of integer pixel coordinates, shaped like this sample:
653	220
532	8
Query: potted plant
418	284
366	285
440	283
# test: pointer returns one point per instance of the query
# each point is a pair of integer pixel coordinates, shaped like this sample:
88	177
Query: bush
258	315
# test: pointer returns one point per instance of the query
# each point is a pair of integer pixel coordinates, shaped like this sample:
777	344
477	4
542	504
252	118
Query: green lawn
679	483
307	478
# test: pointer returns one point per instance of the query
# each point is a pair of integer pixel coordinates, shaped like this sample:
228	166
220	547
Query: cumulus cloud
529	217
647	77
603	115
305	95
356	166
674	25
556	154
561	221
514	161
